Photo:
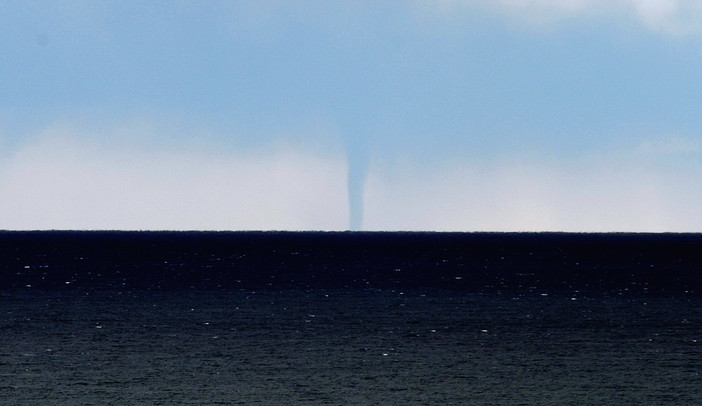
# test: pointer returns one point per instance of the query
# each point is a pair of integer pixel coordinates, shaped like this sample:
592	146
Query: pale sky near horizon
443	115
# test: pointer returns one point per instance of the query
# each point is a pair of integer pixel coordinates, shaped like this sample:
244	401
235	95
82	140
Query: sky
424	115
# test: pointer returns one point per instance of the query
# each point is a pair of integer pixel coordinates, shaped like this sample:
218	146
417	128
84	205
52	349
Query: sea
350	318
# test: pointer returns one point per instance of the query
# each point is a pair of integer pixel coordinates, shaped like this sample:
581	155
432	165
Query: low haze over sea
350	318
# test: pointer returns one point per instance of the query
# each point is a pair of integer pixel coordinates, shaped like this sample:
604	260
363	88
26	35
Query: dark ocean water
350	318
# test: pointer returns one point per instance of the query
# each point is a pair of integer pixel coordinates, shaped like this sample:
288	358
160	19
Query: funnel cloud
358	161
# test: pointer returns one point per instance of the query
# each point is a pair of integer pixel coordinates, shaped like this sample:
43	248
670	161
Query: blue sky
467	115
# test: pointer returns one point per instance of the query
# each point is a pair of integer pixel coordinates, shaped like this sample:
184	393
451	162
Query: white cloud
675	17
64	182
613	196
679	17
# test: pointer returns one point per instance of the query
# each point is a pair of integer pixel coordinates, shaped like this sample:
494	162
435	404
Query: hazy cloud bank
61	182
67	181
611	196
